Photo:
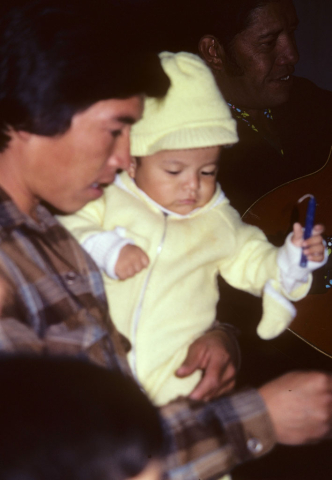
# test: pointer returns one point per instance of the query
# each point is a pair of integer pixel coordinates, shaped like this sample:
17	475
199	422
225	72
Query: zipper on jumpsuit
138	311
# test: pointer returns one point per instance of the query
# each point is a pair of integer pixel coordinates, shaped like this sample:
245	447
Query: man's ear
211	51
23	135
132	167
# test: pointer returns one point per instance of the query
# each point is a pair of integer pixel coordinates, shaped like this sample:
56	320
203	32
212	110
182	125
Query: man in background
283	121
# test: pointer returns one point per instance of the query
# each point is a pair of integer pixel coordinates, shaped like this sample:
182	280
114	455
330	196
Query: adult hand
215	353
300	406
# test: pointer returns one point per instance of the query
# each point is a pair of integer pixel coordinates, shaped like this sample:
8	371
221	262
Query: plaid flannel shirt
55	304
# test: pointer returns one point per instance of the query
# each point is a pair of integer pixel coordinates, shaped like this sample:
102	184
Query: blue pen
309	224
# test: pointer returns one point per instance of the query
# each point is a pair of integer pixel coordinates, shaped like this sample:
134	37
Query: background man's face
265	55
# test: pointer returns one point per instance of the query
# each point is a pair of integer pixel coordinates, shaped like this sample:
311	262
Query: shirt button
254	445
70	277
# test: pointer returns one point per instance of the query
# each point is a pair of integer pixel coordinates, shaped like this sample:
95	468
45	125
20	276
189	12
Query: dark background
314	39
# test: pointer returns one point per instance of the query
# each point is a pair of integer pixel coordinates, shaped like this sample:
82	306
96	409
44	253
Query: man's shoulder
303	86
307	110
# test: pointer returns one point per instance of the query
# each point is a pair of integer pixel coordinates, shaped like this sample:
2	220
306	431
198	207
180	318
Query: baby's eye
209	173
173	172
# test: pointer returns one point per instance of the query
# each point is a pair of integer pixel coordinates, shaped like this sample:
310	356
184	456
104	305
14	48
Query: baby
164	230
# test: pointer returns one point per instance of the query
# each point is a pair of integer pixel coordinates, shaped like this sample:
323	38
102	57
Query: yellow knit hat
193	113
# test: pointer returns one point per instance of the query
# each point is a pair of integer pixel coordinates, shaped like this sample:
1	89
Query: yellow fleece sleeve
251	259
86	222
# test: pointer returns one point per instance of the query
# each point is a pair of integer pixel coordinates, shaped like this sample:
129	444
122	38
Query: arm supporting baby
217	354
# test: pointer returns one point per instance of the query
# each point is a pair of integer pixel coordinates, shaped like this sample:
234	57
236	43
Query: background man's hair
226	19
67	419
57	57
189	20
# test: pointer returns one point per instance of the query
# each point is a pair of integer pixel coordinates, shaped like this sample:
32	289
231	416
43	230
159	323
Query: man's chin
280	94
58	209
73	209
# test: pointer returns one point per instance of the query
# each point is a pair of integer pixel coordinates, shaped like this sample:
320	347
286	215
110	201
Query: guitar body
275	214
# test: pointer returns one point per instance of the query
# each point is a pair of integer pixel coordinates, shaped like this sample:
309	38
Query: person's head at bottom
68	419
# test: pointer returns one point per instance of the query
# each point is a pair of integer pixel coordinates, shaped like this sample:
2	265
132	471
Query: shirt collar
12	217
240	114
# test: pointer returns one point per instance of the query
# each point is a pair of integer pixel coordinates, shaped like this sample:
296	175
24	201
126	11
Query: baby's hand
131	260
313	247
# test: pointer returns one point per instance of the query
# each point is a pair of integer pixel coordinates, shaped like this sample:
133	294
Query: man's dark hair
189	20
226	19
67	419
57	57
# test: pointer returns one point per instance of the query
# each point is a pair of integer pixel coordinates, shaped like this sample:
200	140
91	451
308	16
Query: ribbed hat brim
193	114
182	139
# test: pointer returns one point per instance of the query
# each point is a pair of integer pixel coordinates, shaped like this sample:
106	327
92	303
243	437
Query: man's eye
269	44
116	133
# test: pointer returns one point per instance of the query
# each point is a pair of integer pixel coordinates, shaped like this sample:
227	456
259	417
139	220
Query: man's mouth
286	77
284	81
101	185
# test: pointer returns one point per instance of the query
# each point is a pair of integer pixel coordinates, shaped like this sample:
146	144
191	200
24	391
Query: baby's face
179	180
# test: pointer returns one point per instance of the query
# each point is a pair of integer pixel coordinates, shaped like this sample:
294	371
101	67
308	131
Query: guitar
275	214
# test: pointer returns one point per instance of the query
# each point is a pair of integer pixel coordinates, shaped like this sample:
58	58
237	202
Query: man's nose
120	157
288	54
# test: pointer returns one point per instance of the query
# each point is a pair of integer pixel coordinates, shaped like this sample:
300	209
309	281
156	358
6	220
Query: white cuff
105	247
291	274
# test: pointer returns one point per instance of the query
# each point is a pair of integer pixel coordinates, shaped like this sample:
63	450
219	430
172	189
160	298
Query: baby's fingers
297	237
314	254
316	238
314	248
317	230
144	260
140	261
